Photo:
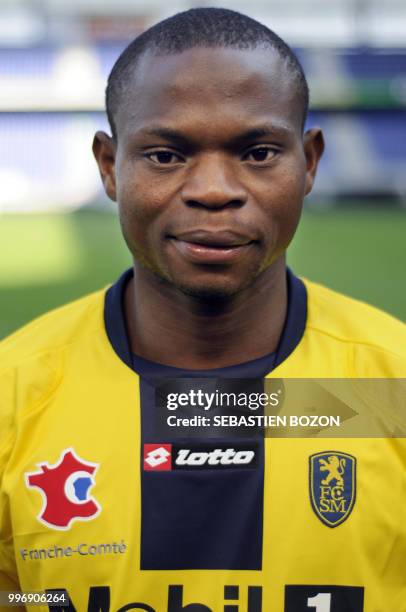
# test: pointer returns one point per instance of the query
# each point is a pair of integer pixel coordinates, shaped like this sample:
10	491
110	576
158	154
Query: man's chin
222	288
208	293
213	292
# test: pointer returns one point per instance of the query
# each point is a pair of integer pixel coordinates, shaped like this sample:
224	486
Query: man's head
205	28
208	161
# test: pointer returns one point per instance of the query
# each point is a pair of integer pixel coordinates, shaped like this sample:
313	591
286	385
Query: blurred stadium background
59	235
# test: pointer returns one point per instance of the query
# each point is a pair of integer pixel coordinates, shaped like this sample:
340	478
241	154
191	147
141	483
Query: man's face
210	167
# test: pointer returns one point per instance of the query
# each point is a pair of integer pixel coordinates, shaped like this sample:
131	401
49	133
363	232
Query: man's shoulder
348	320
53	331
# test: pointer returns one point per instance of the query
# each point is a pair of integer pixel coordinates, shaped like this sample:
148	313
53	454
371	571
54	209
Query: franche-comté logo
168	457
65	489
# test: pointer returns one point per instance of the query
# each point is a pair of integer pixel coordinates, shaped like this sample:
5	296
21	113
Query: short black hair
200	27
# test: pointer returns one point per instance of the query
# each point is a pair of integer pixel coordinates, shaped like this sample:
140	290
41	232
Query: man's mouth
208	247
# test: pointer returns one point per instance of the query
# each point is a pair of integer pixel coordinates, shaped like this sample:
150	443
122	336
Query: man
209	166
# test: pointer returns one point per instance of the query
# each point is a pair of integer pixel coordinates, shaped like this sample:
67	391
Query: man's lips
222	239
205	247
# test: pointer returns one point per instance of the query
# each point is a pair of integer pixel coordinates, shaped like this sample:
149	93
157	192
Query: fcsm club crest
332	486
65	489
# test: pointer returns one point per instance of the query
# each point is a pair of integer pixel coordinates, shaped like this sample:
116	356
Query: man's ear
313	143
104	150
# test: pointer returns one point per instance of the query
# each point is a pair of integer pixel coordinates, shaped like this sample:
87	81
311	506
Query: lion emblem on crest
335	468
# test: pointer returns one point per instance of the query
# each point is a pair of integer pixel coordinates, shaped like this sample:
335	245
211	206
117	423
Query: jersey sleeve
8	570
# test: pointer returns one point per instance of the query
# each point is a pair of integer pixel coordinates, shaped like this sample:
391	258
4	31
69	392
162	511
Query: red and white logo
167	457
157	457
65	489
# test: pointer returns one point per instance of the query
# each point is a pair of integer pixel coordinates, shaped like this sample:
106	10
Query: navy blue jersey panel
200	518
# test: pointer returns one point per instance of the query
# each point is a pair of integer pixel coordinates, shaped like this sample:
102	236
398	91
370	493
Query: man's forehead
212	64
210	80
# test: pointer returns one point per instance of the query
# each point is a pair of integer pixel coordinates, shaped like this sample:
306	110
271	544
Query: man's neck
169	327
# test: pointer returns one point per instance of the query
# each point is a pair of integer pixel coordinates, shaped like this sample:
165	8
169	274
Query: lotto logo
157	457
168	457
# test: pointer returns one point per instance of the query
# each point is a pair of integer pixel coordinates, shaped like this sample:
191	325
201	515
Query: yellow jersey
97	508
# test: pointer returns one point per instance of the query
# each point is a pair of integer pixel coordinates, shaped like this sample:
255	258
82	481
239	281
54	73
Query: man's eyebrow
273	130
166	134
179	137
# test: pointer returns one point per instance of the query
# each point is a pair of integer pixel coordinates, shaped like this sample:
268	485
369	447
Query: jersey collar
292	333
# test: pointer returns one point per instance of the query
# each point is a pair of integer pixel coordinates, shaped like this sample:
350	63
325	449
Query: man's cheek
135	209
287	225
285	219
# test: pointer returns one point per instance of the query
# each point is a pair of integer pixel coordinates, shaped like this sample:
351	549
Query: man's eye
164	158
261	154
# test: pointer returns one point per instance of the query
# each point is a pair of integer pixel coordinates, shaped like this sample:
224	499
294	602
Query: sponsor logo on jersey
100	596
158	457
65	489
167	457
323	598
332	486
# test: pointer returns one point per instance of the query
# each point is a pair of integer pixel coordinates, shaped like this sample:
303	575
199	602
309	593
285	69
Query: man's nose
213	182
